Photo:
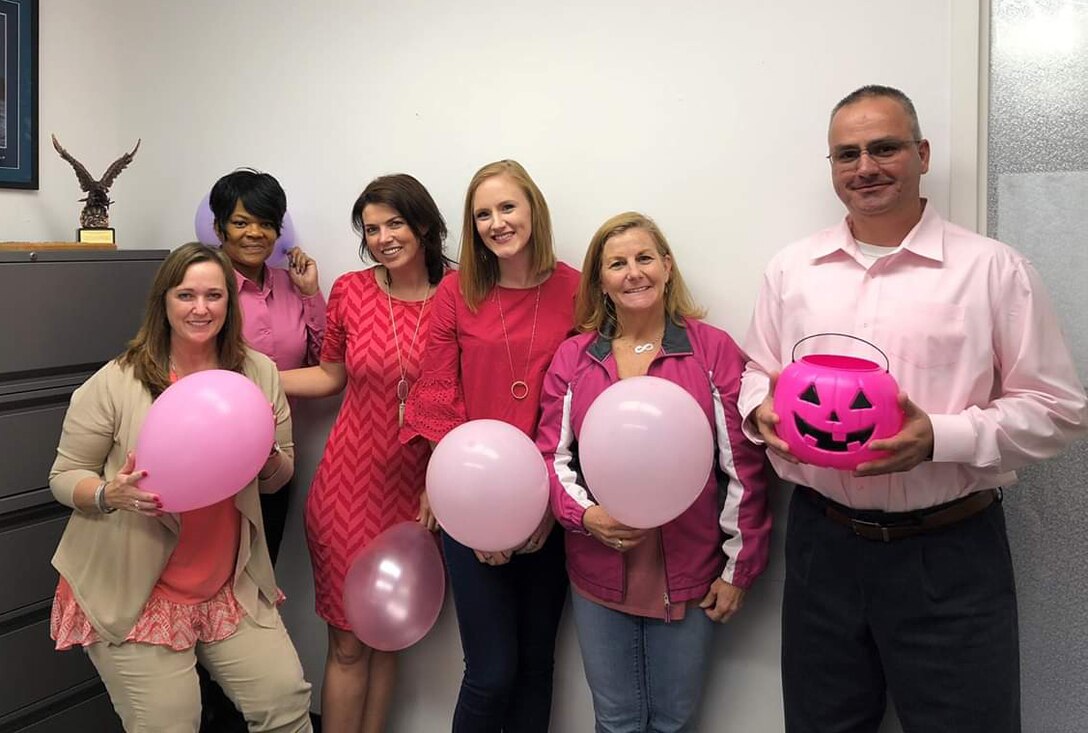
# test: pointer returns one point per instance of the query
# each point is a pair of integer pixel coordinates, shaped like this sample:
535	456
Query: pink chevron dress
366	481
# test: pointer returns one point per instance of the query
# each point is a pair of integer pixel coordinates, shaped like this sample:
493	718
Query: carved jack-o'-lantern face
831	407
845	427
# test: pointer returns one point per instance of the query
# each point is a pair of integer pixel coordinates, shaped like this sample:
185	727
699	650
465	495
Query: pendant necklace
519	388
646	346
402	383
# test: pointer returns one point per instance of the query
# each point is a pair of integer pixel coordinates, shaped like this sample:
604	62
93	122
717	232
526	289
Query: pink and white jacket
726	532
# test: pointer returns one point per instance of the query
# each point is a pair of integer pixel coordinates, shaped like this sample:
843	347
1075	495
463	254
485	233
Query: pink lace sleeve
436	404
434	409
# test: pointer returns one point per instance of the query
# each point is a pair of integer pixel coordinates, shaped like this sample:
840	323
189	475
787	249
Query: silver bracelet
100	499
276	451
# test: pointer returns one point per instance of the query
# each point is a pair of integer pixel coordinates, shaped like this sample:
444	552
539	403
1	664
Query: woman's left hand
426	517
303	271
539	536
272	463
493	558
722	601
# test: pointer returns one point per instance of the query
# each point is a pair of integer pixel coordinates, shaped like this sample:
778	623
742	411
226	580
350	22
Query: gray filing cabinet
65	313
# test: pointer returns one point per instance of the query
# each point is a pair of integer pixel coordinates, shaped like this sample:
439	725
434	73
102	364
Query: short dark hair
411	200
260	194
879	90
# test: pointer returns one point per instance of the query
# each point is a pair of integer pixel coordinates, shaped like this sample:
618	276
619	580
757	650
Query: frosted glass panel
1038	202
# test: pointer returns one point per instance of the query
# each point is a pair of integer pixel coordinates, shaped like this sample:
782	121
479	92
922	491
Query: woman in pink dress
496	324
377	324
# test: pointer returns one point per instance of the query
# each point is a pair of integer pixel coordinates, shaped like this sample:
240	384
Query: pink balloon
646	451
204	439
488	485
394	588
204	224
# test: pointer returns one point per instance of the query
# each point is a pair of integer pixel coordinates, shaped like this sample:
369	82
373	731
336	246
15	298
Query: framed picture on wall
19	94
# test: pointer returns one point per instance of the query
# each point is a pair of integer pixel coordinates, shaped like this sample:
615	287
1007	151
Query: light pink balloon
394	588
204	439
646	451
487	485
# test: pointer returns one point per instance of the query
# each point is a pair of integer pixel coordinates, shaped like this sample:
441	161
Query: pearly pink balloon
204	226
488	485
646	451
204	439
394	588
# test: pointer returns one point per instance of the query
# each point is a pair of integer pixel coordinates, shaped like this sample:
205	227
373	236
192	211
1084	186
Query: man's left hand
909	447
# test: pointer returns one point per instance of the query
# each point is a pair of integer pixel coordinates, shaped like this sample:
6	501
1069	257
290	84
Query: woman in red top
496	324
378	321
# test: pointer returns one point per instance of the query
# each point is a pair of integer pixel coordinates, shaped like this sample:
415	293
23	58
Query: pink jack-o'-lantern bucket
830	407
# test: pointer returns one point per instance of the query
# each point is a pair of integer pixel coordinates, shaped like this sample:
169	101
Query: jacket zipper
665	567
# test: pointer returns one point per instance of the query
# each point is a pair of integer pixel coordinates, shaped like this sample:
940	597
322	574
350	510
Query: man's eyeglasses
880	151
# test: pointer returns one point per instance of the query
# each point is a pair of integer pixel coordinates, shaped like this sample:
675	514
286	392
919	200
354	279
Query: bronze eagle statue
95	214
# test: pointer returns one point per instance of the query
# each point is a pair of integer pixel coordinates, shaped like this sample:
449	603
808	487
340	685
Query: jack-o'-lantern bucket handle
887	362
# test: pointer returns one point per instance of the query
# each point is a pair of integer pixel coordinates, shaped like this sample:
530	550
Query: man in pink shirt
898	574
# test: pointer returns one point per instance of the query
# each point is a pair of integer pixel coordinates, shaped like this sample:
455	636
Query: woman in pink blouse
145	593
495	326
283	311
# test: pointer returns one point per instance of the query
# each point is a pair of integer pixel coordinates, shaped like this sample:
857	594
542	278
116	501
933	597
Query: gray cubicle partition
64	314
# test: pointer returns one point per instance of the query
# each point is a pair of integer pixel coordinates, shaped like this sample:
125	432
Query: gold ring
136	504
619	544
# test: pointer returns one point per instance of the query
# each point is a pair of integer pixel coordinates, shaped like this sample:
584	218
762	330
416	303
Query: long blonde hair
148	353
593	310
479	267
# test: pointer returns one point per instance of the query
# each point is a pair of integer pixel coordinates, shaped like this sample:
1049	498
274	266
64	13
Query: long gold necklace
402	384
519	388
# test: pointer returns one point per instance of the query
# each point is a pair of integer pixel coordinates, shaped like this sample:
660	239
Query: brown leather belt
886	527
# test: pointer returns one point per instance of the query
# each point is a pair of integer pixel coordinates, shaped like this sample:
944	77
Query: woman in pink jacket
645	601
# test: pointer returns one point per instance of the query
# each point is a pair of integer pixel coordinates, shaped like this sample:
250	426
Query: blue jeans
646	675
508	616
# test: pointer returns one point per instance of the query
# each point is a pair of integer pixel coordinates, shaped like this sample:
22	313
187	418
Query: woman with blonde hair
495	326
645	601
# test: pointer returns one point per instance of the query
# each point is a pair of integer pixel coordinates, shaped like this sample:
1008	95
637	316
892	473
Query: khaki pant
155	689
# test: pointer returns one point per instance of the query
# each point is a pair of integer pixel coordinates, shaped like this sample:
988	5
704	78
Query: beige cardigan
112	561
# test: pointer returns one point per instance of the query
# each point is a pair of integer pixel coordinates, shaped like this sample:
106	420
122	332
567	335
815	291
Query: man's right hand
765	420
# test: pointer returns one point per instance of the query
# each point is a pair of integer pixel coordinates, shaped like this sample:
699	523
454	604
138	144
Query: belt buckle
856	523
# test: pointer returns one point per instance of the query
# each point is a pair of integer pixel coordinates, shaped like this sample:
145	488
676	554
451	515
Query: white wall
710	116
